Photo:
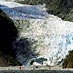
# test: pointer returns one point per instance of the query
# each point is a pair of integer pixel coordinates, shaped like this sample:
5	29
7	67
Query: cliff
8	33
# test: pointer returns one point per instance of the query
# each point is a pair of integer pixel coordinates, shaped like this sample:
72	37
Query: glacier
51	36
20	11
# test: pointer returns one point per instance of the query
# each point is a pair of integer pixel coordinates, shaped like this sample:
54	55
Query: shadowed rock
8	33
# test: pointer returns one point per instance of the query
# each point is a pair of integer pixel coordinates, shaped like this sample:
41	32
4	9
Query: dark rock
7	60
8	33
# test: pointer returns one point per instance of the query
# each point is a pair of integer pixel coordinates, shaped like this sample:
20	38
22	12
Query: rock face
7	60
8	33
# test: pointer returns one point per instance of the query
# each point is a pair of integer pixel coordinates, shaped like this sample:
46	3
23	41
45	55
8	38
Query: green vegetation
68	61
61	8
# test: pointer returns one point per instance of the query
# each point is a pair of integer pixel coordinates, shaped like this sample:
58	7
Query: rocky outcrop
7	60
8	33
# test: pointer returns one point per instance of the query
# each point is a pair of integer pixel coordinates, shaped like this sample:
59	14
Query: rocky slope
7	60
8	33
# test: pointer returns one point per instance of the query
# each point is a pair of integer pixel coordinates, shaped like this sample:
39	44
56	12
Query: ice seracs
53	36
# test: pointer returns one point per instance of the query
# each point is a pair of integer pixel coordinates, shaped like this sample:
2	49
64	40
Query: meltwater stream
41	35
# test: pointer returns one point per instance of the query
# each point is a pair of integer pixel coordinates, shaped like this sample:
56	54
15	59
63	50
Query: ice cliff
40	34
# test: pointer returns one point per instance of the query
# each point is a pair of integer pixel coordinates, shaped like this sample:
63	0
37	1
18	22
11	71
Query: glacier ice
20	11
53	36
